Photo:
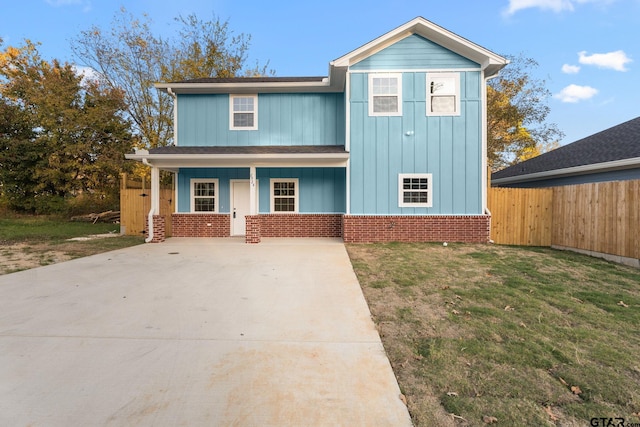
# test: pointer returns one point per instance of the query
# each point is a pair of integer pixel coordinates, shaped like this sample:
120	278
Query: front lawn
480	334
33	241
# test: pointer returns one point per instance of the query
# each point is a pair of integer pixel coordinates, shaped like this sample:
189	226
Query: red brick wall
200	225
159	226
301	225
252	232
440	228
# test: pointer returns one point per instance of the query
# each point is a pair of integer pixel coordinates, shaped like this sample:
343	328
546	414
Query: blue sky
588	50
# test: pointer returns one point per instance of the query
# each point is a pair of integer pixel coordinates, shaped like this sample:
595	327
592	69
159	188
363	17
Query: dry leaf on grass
455	311
509	308
563	382
489	420
552	416
575	390
403	398
622	304
452	394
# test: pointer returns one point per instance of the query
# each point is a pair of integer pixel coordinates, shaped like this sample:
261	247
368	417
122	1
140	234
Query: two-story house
390	146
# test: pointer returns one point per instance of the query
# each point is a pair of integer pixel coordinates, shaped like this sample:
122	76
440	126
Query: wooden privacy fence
521	216
135	203
600	217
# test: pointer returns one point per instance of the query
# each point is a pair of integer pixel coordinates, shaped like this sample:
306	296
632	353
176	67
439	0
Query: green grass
38	228
507	332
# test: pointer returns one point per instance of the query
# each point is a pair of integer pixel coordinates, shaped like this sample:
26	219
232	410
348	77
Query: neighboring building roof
490	62
615	148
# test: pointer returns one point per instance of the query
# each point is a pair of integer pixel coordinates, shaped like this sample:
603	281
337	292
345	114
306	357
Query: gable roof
612	149
490	62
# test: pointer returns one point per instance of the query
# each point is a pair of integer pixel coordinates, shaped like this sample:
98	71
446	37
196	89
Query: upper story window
243	112
443	94
204	195
284	195
415	190
385	94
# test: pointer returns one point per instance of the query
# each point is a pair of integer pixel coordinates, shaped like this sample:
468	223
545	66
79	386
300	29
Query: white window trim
192	194
272	197
402	203
255	112
453	75
399	94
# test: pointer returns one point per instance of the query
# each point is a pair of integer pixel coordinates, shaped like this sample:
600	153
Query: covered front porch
293	191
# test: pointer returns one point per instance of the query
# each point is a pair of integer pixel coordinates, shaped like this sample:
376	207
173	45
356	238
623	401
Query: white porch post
155	190
252	191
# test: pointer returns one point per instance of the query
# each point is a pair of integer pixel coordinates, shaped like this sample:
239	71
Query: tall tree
61	134
131	57
517	111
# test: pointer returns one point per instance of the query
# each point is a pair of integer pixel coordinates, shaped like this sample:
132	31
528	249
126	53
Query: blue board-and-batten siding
283	119
450	148
414	52
322	190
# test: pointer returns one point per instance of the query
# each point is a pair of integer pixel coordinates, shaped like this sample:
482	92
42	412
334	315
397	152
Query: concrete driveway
195	332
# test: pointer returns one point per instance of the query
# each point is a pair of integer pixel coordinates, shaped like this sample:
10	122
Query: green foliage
131	57
516	115
61	135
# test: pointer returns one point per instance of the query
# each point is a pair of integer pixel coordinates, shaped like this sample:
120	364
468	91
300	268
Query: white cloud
86	4
556	6
575	93
613	60
570	69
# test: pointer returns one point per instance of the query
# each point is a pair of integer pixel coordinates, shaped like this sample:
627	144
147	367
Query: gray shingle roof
616	143
254	80
270	149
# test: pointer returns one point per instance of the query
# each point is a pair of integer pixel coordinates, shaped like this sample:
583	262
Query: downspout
150	216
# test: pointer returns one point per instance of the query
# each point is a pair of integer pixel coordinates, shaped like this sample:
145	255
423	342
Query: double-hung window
284	195
385	94
415	190
243	112
204	195
443	94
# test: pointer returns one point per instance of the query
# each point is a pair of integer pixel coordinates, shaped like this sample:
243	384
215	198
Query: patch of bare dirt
24	256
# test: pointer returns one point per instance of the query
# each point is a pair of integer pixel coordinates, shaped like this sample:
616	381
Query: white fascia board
264	87
242	160
489	61
623	164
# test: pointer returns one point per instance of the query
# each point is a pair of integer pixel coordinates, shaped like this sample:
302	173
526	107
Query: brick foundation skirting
200	225
415	228
300	225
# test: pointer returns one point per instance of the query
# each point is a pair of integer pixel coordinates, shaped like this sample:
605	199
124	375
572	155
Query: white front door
240	206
